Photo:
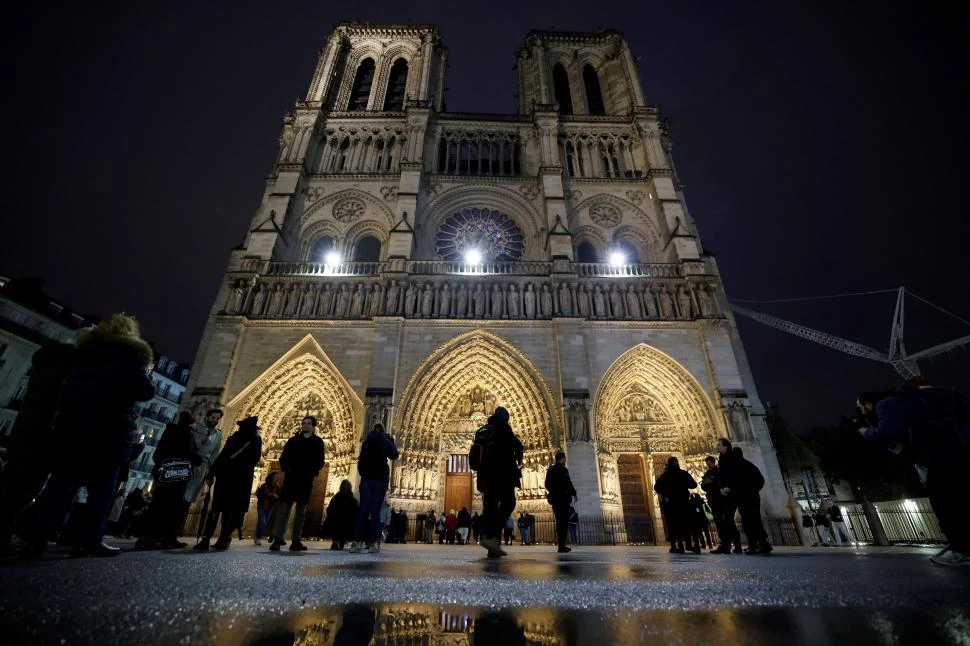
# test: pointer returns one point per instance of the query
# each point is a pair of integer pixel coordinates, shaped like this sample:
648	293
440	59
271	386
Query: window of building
360	91
396	85
628	250
321	248
594	97
560	82
185	375
368	250
586	252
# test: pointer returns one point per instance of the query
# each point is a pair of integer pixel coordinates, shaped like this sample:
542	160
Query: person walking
464	525
174	459
301	460
839	529
341	515
723	505
476	526
232	471
206	442
673	487
387	518
266	496
376	449
95	422
499	475
451	526
561	495
745	480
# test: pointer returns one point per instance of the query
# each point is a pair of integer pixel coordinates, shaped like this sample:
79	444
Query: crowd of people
73	441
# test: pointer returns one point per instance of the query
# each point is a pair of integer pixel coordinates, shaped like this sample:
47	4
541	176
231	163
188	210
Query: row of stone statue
418	299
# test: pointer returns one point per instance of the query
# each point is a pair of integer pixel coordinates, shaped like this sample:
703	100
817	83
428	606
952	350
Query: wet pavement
454	595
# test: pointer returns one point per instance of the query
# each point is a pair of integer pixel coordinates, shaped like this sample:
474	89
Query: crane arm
939	349
829	340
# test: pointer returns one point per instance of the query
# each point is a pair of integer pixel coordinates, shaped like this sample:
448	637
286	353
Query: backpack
371	461
483	448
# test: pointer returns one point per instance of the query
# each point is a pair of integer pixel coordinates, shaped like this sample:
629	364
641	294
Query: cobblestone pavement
420	594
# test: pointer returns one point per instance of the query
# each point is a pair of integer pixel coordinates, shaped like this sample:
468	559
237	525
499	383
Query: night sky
823	149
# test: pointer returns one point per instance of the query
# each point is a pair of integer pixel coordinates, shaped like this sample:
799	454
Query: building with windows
29	319
170	379
418	267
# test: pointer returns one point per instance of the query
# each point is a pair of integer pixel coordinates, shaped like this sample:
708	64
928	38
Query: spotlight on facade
332	258
617	258
473	257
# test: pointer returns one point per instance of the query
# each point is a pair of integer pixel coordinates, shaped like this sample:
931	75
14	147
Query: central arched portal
448	398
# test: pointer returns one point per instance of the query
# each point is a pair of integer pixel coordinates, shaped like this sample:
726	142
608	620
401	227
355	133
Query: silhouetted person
745	481
498	477
727	505
301	460
206	442
561	494
673	487
341	516
233	474
266	497
376	449
95	423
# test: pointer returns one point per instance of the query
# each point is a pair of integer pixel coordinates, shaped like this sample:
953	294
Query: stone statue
292	302
324	301
705	302
343	298
444	301
616	303
496	302
234	302
478	301
578	420
513	302
683	302
582	302
529	298
565	300
427	301
276	301
309	302
545	301
666	304
357	302
410	299
632	303
259	300
599	303
740	422
461	302
393	294
650	303
374	301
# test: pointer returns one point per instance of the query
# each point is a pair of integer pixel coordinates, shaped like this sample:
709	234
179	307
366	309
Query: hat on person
502	414
560	455
185	417
249	424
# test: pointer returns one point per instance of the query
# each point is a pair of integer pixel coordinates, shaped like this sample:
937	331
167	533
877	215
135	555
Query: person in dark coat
266	496
673	487
341	516
174	459
94	426
28	449
561	495
464	525
232	471
301	460
726	505
376	449
744	480
498	477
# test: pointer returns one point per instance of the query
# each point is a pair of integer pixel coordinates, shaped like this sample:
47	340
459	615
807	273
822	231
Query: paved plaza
453	595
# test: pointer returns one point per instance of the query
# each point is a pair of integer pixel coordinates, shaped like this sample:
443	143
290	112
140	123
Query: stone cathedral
419	267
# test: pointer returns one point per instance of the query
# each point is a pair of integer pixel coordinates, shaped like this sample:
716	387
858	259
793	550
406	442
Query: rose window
492	233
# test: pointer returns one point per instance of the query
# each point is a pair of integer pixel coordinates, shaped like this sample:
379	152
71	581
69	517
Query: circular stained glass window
492	233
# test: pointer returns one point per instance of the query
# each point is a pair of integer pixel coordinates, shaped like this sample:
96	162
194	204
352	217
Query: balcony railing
451	268
324	269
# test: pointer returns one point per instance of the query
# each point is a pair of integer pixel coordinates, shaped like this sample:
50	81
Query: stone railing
324	269
452	268
446	268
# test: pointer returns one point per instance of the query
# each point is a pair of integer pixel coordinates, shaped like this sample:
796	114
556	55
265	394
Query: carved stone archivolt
452	393
349	210
649	400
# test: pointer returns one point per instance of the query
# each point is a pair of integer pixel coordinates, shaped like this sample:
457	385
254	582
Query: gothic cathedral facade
418	267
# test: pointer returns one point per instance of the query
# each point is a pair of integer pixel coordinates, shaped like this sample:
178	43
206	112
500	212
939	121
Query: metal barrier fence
904	521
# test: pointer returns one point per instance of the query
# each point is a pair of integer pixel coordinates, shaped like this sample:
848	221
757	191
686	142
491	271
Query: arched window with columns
396	86
360	91
560	83
586	252
368	249
321	247
594	96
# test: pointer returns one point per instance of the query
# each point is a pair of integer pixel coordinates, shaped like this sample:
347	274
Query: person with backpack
266	496
496	454
561	495
745	481
301	460
934	424
376	449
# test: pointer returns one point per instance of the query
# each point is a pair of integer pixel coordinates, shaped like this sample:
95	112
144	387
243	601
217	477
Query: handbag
174	470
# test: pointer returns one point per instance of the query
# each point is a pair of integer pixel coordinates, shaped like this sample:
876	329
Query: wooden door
458	484
636	516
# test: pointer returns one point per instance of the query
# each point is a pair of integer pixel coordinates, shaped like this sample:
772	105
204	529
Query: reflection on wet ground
428	624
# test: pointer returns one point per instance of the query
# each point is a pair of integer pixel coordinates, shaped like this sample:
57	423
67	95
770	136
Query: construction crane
905	364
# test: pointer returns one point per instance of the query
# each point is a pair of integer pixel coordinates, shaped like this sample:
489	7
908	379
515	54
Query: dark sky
823	147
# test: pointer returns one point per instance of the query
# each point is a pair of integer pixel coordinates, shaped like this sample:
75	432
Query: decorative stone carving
577	422
636	197
314	193
739	417
529	299
605	215
392	303
616	303
684	304
236	295
389	193
529	191
357	302
350	209
633	303
259	301
492	233
545	301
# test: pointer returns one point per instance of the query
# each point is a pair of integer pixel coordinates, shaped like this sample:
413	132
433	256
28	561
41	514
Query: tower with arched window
418	267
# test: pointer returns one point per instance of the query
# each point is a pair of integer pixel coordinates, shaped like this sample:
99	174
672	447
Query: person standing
376	449
174	459
499	475
206	442
673	486
746	483
341	516
94	425
28	461
723	503
451	526
476	525
561	495
839	529
232	471
464	525
301	460
266	496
